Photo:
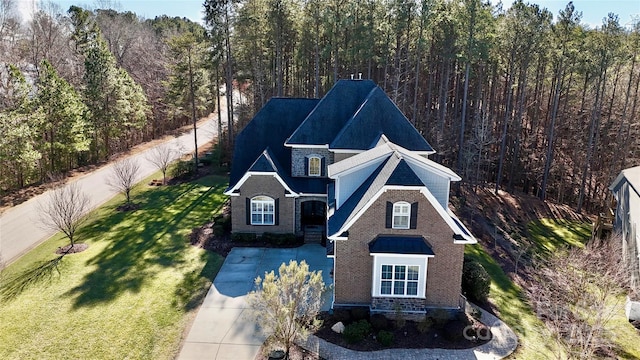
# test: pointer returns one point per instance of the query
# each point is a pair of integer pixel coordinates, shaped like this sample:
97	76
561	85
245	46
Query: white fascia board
427	153
248	174
311	194
444	213
469	239
337	237
436	205
337	171
307	146
347	151
433	167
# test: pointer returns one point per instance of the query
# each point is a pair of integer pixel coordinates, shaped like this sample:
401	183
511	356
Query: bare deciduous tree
65	210
578	292
286	305
161	156
123	176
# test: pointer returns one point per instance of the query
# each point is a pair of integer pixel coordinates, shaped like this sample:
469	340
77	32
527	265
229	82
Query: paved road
19	231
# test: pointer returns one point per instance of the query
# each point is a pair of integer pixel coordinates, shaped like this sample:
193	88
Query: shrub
379	322
385	338
476	313
475	280
357	331
439	317
424	325
182	168
399	317
243	237
280	239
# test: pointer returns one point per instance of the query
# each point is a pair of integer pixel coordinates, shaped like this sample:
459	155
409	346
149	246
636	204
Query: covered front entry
313	220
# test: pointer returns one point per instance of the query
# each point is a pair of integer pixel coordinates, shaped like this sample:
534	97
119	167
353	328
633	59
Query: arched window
315	166
262	211
401	215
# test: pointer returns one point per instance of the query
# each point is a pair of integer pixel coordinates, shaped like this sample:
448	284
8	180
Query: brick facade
298	164
266	185
353	264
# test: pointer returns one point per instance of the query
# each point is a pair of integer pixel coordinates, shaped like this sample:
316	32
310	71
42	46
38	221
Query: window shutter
389	219
276	212
248	211
306	166
413	221
323	165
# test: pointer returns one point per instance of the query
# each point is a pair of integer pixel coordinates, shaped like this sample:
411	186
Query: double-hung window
401	214
399	280
262	210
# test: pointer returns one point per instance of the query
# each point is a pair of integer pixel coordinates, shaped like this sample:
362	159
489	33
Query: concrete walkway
222	329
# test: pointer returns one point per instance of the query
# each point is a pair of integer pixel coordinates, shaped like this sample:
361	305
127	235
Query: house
352	169
626	191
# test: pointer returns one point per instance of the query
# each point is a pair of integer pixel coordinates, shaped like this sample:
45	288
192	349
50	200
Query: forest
518	99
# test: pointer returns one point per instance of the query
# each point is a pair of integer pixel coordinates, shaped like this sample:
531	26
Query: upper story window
401	212
402	215
315	166
262	211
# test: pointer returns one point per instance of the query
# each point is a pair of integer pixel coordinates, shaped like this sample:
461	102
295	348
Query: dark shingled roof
404	175
269	129
264	163
389	244
333	111
378	114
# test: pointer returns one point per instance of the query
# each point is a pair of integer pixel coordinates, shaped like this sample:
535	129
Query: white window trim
398	259
263	200
319	158
395	214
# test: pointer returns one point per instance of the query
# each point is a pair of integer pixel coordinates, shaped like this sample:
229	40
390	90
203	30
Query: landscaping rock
338	327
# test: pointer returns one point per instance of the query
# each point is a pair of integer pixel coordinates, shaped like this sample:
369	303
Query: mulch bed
221	243
295	353
68	249
128	207
405	337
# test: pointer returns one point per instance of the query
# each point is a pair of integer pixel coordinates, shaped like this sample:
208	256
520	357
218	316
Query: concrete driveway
222	328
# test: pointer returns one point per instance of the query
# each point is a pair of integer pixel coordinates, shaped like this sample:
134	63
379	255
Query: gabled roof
264	163
632	175
389	244
269	129
393	173
325	121
378	114
384	149
404	175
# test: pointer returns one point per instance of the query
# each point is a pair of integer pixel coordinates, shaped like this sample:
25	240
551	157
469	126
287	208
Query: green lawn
548	236
511	308
129	295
